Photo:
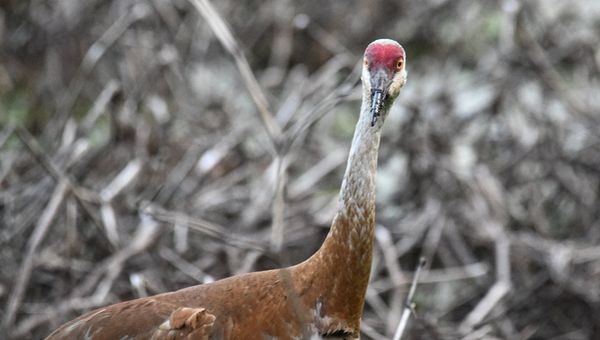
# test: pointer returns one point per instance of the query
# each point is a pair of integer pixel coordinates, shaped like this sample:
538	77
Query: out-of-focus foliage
489	164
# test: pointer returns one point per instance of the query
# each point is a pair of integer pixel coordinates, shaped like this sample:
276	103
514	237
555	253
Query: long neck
357	193
342	265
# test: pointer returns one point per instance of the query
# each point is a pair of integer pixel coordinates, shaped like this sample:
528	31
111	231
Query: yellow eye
399	64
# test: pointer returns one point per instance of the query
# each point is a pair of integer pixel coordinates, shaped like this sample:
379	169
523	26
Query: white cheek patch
397	82
366	77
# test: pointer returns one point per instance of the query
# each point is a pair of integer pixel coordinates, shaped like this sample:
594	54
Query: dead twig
36	238
409	305
227	39
93	55
278	207
214	230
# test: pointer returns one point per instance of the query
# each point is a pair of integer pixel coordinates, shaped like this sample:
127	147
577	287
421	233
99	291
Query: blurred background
139	154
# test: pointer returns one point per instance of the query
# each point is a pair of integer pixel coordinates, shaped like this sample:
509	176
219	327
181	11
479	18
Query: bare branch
225	36
409	304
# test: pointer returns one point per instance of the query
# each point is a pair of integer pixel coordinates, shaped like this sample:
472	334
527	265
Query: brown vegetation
138	154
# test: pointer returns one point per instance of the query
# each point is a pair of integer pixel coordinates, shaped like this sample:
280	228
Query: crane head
383	74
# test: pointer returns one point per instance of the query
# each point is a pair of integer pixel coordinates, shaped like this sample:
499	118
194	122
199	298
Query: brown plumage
322	296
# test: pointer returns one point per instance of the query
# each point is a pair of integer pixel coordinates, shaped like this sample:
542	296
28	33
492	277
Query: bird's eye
399	64
366	63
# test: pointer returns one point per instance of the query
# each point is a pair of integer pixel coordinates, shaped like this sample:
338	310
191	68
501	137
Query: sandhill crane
320	297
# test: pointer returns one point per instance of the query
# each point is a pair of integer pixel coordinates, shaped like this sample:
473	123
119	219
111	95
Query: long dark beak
379	84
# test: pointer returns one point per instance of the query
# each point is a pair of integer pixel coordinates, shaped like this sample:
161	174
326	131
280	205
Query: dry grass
144	148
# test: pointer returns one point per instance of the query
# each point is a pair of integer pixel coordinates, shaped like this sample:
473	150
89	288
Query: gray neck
358	186
353	225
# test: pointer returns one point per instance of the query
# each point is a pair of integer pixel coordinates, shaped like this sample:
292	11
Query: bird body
322	296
